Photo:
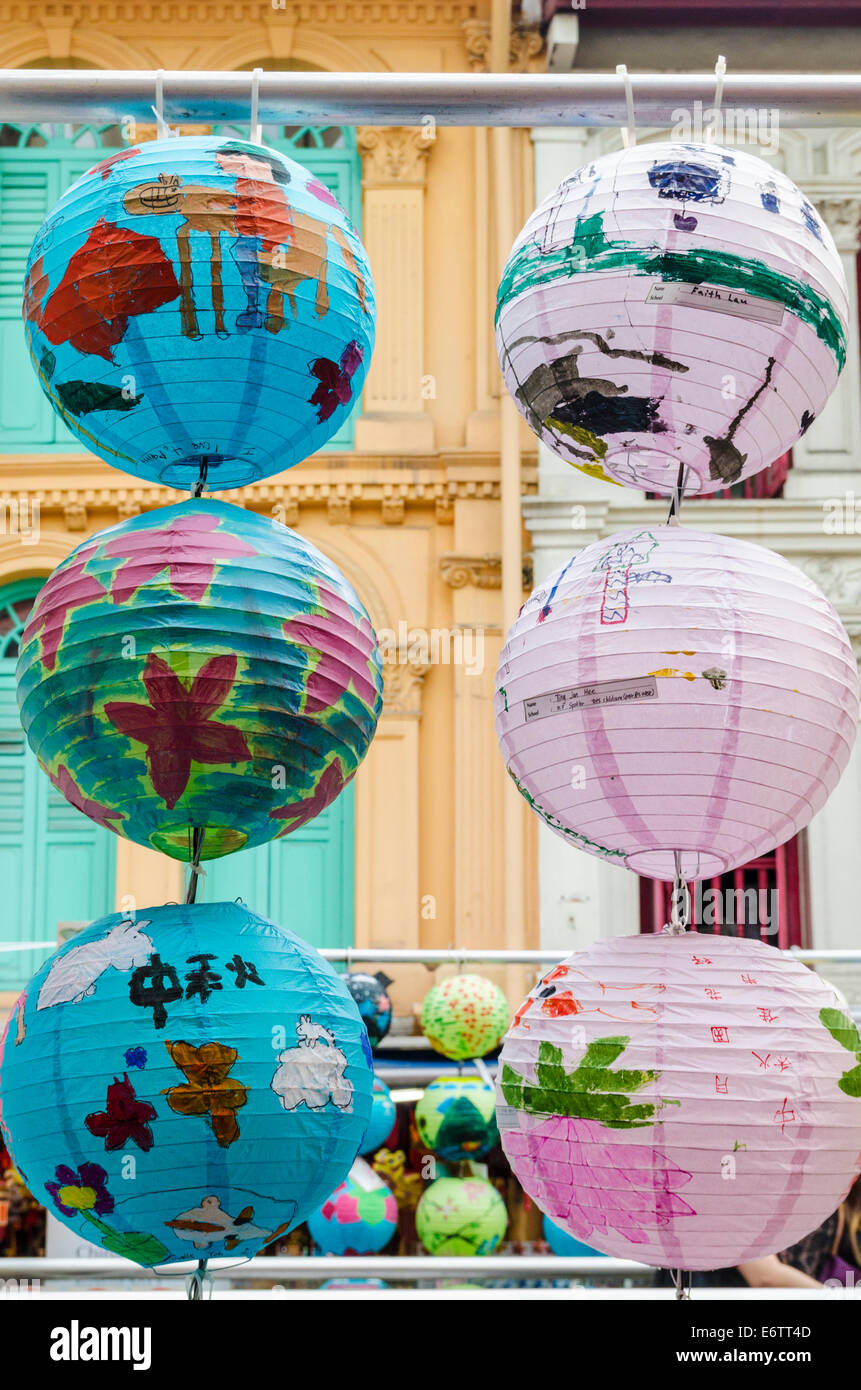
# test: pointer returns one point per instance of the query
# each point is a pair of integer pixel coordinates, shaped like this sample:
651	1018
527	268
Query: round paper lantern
561	1243
372	1001
464	1017
461	1216
456	1118
199	667
187	1084
200	306
689	1101
668	690
384	1114
359	1218
668	305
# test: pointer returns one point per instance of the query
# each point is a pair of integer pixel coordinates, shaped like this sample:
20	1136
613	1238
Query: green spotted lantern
199	679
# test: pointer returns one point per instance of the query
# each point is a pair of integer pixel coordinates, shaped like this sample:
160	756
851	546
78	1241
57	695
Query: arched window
55	864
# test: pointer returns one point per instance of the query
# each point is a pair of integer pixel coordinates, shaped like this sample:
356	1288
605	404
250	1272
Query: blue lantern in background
359	1218
383	1116
200	307
217	1051
562	1243
374	1004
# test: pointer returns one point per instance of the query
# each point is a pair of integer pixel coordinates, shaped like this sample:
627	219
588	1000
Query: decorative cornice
525	47
236	13
481	571
394	155
841	215
402	686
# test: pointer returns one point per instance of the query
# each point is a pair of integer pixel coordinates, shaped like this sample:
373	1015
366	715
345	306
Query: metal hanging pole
458	99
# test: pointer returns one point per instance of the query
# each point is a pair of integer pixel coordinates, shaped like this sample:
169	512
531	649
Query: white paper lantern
673	304
669	690
688	1101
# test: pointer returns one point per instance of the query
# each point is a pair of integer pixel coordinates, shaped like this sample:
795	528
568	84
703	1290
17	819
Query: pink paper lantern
686	1101
670	690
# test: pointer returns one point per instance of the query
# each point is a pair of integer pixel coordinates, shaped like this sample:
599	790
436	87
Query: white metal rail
460	99
391	1268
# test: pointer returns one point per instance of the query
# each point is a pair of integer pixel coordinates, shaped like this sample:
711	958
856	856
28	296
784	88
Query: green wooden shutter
56	865
28	189
303	882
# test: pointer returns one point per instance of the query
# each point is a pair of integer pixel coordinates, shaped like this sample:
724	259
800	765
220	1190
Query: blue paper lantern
189	1084
200	306
199	667
384	1112
562	1243
358	1218
374	1004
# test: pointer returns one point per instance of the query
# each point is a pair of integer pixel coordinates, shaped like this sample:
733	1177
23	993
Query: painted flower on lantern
64	783
330	785
82	1191
209	1091
125	1119
335	380
189	549
78	589
177	725
330	637
135	1057
634	1186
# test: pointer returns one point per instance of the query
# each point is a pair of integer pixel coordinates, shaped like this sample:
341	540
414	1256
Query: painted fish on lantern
208	1225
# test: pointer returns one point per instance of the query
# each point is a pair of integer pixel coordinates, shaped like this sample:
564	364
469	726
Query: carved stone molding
394	511
838	576
402	686
239	13
842	217
526	45
339	511
480	571
75	516
394	155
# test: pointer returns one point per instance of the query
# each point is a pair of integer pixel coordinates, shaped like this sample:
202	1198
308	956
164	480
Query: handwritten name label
715	299
590	696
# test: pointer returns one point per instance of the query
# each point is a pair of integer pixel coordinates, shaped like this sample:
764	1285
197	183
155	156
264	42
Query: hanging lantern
216	1054
359	1218
673	305
561	1243
461	1216
384	1114
200	306
199	667
372	1001
688	1101
464	1017
667	690
456	1118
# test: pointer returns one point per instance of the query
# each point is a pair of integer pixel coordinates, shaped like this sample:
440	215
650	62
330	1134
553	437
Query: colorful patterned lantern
359	1218
456	1118
372	1001
668	690
689	1101
465	1016
219	1053
461	1216
200	307
199	667
384	1114
673	305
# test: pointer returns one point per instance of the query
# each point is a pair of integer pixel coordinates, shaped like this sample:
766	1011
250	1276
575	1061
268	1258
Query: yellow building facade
411	509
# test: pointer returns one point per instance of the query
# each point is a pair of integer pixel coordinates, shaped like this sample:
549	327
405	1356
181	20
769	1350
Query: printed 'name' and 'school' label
589	696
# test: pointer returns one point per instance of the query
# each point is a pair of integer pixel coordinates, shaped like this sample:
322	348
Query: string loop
629	132
255	133
163	129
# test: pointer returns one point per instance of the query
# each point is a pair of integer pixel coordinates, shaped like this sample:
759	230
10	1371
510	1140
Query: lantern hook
255	133
199	1284
629	132
681	1283
676	496
195	872
720	74
680	901
201	481
163	129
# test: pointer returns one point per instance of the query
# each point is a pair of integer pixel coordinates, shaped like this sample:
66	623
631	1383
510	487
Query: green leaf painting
590	1092
845	1032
